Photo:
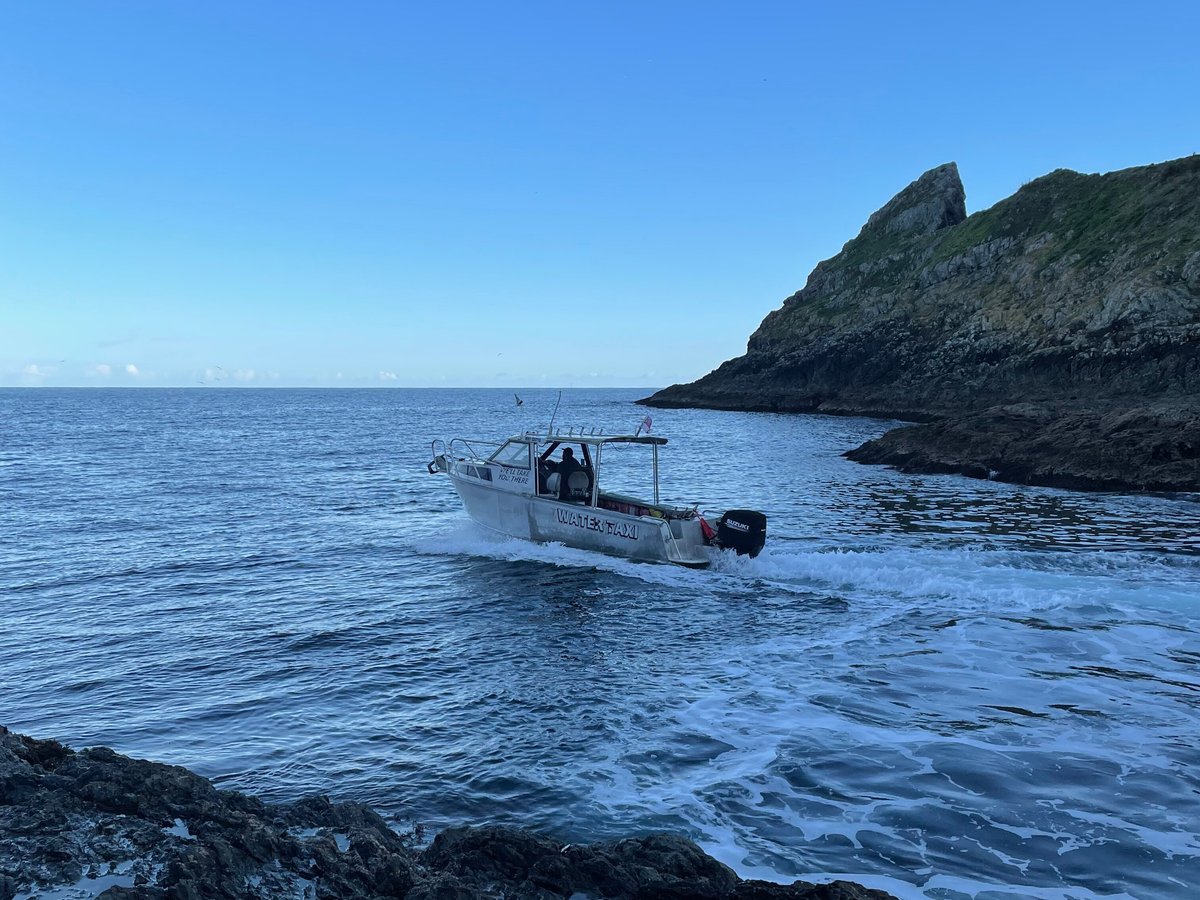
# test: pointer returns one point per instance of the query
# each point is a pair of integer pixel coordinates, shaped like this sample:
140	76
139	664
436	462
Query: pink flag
646	423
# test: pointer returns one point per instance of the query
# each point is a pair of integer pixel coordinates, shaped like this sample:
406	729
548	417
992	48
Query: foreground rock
1079	293
103	824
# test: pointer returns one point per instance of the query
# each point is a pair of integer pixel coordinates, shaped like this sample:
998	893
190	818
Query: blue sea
940	687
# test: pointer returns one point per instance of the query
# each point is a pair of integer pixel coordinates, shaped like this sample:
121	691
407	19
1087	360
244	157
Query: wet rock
171	835
655	865
652	866
1156	448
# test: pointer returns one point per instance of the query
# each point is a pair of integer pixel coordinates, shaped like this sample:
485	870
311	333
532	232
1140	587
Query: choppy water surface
941	687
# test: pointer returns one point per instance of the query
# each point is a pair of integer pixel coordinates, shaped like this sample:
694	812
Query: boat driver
565	469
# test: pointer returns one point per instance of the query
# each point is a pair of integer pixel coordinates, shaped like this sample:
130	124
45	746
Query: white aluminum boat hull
547	520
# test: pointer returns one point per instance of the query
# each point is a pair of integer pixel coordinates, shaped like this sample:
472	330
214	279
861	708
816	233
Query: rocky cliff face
1077	286
1081	290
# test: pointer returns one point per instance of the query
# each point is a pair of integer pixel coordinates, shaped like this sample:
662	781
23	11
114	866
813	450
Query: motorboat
548	488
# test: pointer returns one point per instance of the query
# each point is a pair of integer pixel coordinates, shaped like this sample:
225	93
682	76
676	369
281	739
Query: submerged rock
117	827
1079	293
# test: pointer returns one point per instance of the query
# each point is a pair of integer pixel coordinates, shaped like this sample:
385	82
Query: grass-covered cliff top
1147	218
1143	210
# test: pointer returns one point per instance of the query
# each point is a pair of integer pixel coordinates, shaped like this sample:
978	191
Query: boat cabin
567	468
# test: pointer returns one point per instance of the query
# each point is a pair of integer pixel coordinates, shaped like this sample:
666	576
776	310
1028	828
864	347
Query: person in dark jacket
565	468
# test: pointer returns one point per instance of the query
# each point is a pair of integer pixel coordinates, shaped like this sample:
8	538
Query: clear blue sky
552	194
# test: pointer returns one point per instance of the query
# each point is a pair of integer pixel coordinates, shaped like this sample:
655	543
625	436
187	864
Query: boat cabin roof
594	440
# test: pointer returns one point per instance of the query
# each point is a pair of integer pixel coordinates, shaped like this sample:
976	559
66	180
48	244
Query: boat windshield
514	454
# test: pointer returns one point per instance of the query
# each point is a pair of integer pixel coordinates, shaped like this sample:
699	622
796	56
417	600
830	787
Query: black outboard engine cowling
742	530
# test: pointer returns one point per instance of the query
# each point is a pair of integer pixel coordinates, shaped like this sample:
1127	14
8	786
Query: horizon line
337	387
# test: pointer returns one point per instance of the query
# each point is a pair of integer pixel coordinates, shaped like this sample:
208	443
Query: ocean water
941	687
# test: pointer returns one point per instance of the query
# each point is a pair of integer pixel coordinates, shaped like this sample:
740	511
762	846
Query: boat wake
472	539
962	580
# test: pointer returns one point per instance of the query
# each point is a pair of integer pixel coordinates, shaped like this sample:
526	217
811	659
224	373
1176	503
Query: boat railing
468	445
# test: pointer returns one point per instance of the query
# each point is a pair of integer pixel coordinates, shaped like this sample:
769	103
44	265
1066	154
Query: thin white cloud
244	375
103	369
34	373
387	376
131	369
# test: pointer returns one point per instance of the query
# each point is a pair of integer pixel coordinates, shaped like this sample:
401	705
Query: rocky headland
1053	338
96	823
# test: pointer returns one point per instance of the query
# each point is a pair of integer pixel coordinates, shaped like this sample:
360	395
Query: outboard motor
742	530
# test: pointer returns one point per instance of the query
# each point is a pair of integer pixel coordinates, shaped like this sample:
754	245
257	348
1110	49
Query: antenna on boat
555	413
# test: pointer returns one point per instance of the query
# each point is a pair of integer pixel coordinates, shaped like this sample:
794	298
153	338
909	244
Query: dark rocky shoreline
1153	448
1052	339
117	827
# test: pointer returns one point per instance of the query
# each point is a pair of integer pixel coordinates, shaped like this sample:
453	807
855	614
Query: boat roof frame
594	440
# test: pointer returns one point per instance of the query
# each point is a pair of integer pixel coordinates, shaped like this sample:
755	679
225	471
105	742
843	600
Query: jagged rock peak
935	200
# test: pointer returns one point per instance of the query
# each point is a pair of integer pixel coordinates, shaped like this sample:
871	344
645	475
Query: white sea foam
756	708
939	887
966	580
995	577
